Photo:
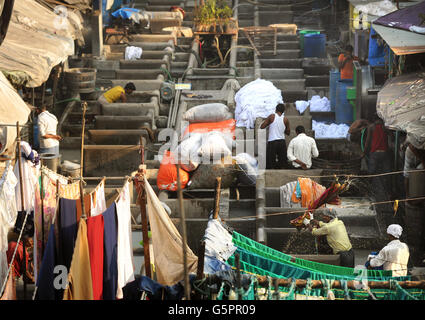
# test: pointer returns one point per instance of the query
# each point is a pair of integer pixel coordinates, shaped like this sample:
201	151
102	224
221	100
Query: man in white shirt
395	255
301	149
47	124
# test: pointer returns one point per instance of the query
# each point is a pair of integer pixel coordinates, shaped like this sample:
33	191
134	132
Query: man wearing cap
336	235
395	255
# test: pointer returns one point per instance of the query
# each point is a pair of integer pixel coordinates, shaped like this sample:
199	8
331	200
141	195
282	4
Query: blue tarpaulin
125	13
378	53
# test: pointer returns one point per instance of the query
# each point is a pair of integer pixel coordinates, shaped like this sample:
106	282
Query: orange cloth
167	174
347	70
79	278
310	192
226	126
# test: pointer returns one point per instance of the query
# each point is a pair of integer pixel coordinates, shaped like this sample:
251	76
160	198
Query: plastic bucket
343	108
334	77
51	160
302	33
315	45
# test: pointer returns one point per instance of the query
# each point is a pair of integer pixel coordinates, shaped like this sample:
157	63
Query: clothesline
306	209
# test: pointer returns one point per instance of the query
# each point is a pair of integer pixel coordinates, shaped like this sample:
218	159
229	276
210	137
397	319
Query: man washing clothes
394	256
301	149
276	146
117	93
336	235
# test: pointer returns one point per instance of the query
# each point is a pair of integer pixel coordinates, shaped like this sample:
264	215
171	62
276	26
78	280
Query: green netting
269	253
303	293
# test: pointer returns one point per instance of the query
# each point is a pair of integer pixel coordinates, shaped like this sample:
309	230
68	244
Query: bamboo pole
42	211
217	197
141	191
184	243
352	284
83	211
21	189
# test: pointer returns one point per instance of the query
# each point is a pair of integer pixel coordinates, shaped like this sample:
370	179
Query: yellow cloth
113	95
335	233
79	277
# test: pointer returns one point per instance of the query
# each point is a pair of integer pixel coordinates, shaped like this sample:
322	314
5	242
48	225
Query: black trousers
276	155
347	258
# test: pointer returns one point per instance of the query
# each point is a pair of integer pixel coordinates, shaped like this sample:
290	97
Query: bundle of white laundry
316	104
257	99
329	131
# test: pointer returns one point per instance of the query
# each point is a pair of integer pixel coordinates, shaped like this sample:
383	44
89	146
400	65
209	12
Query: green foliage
213	11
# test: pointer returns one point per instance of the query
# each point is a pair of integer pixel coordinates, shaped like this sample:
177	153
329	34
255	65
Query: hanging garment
46	276
167	243
18	261
218	241
310	192
9	292
154	290
49	209
98	202
110	268
79	277
95	227
8	214
124	242
286	192
87	205
67	222
70	191
30	174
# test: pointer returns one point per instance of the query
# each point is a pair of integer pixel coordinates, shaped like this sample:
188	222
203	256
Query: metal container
51	160
334	77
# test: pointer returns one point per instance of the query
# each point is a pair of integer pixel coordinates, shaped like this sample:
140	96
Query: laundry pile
257	99
329	131
300	193
205	151
316	104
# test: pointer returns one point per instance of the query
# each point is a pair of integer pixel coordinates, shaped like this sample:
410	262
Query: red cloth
379	139
95	238
19	257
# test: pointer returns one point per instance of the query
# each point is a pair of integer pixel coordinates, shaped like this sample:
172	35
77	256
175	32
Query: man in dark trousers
276	146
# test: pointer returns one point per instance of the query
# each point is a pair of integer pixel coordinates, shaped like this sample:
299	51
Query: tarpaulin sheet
401	104
12	109
167	243
37	40
407	19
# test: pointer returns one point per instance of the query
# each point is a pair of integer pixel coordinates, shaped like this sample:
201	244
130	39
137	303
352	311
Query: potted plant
212	14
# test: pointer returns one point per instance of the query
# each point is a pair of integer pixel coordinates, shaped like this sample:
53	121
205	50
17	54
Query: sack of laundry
209	112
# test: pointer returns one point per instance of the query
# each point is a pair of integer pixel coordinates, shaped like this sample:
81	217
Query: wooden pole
141	191
42	211
84	105
21	189
238	274
352	284
201	257
184	244
217	197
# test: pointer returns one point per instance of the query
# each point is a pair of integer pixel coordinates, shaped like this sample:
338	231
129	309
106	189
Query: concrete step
138	74
245	23
118	136
294	95
273	17
181	56
131	109
272	74
274	8
291	84
184	41
152	38
179	65
317	80
277	178
123	122
210	71
280	54
140	84
281	63
142	64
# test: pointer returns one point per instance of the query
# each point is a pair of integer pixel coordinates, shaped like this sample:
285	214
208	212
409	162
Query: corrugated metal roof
401	41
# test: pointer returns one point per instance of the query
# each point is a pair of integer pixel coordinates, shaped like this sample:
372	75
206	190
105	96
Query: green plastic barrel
304	32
